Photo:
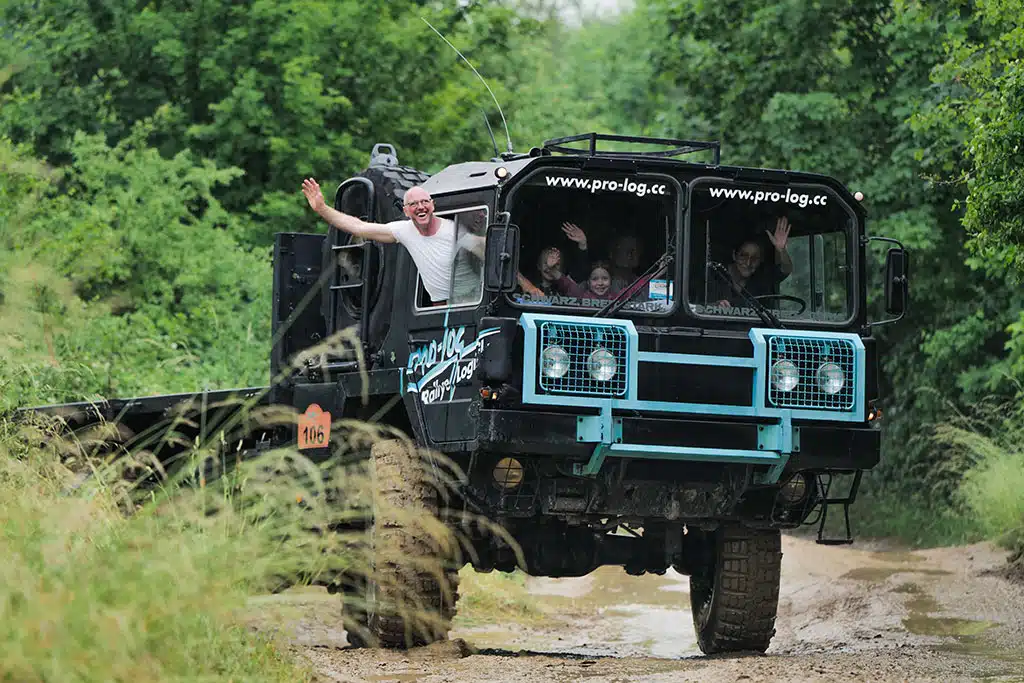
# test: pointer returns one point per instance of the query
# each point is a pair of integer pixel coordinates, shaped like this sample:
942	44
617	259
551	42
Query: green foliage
281	90
488	598
986	442
124	277
984	112
915	520
832	87
150	152
89	595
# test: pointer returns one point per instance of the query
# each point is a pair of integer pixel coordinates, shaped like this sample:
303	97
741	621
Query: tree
829	87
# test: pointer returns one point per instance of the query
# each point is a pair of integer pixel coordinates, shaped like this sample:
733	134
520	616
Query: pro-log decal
436	370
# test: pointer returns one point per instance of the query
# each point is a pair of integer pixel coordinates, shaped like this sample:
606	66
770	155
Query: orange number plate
314	428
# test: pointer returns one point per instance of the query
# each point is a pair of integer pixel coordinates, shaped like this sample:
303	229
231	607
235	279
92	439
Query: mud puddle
844	614
606	613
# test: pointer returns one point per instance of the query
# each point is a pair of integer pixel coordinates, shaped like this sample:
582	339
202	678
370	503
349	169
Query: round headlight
554	362
785	376
602	365
831	378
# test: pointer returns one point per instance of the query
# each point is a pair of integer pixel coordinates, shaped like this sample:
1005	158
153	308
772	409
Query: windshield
788	247
587	237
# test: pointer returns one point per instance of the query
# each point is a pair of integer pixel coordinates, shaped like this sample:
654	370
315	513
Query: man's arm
474	244
350	224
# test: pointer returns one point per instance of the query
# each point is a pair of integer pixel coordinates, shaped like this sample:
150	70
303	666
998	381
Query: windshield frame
852	228
607	171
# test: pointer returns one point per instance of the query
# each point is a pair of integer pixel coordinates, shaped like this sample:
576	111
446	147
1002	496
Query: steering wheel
785	297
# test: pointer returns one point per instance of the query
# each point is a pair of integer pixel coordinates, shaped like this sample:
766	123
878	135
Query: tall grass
974	491
89	594
104	580
987	446
992	487
911	520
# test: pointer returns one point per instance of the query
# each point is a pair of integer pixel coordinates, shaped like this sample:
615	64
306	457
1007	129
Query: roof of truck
473	175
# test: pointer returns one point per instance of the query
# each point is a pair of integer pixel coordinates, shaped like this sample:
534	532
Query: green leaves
140	251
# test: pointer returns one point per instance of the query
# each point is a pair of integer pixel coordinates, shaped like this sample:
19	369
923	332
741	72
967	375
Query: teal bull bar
776	441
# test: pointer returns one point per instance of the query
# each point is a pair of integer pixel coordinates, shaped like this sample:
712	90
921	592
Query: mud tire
409	597
734	591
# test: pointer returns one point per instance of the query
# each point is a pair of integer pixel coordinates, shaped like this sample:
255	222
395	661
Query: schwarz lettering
745	311
652	305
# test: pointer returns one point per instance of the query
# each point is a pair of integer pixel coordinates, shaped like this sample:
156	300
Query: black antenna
491	132
481	80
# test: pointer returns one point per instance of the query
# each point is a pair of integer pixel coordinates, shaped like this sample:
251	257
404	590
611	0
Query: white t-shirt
432	255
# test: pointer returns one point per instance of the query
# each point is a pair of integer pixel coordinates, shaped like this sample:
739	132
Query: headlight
602	365
785	376
554	362
831	378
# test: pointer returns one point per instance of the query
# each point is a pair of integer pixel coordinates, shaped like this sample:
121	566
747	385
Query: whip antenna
490	132
507	136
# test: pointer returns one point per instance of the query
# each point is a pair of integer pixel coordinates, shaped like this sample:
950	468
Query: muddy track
844	614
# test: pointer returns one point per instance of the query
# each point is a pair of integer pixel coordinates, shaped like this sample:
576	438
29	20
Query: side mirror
501	262
897	286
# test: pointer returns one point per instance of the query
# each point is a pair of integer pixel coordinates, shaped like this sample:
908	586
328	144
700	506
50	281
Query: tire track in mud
844	614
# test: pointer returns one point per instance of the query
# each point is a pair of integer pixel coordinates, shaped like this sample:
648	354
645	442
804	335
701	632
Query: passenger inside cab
787	248
590	246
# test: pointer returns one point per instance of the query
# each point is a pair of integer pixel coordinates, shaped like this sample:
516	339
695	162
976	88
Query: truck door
443	338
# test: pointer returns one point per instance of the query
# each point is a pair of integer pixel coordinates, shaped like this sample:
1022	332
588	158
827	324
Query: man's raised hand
311	189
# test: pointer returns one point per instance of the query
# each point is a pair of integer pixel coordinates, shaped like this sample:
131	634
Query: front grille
580	340
808	355
677	383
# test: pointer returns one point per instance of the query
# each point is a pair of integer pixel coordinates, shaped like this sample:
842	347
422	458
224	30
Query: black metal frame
681	146
335	289
890	240
824	485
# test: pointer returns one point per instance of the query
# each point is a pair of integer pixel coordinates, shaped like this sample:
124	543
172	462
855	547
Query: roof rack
681	146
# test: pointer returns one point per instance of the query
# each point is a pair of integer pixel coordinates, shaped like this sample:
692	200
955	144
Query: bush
88	594
914	520
991	490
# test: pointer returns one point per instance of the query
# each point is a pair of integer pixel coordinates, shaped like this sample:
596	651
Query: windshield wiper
630	290
766	316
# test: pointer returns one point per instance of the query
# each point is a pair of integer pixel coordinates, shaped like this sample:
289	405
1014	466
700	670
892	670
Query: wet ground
844	614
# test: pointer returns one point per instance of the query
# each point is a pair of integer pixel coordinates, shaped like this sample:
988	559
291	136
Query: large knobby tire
734	590
409	597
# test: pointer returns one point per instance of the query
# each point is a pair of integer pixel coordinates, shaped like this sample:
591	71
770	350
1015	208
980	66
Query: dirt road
844	614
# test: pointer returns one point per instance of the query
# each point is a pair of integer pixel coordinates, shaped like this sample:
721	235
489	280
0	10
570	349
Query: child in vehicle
598	286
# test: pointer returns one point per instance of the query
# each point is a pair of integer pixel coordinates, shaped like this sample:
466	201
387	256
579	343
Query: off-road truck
681	424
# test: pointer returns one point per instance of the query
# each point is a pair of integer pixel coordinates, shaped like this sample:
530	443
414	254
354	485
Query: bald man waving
429	239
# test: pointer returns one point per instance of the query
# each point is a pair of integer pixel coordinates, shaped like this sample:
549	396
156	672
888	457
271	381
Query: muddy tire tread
746	593
404	484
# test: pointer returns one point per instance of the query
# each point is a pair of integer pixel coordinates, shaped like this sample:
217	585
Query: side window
466	267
